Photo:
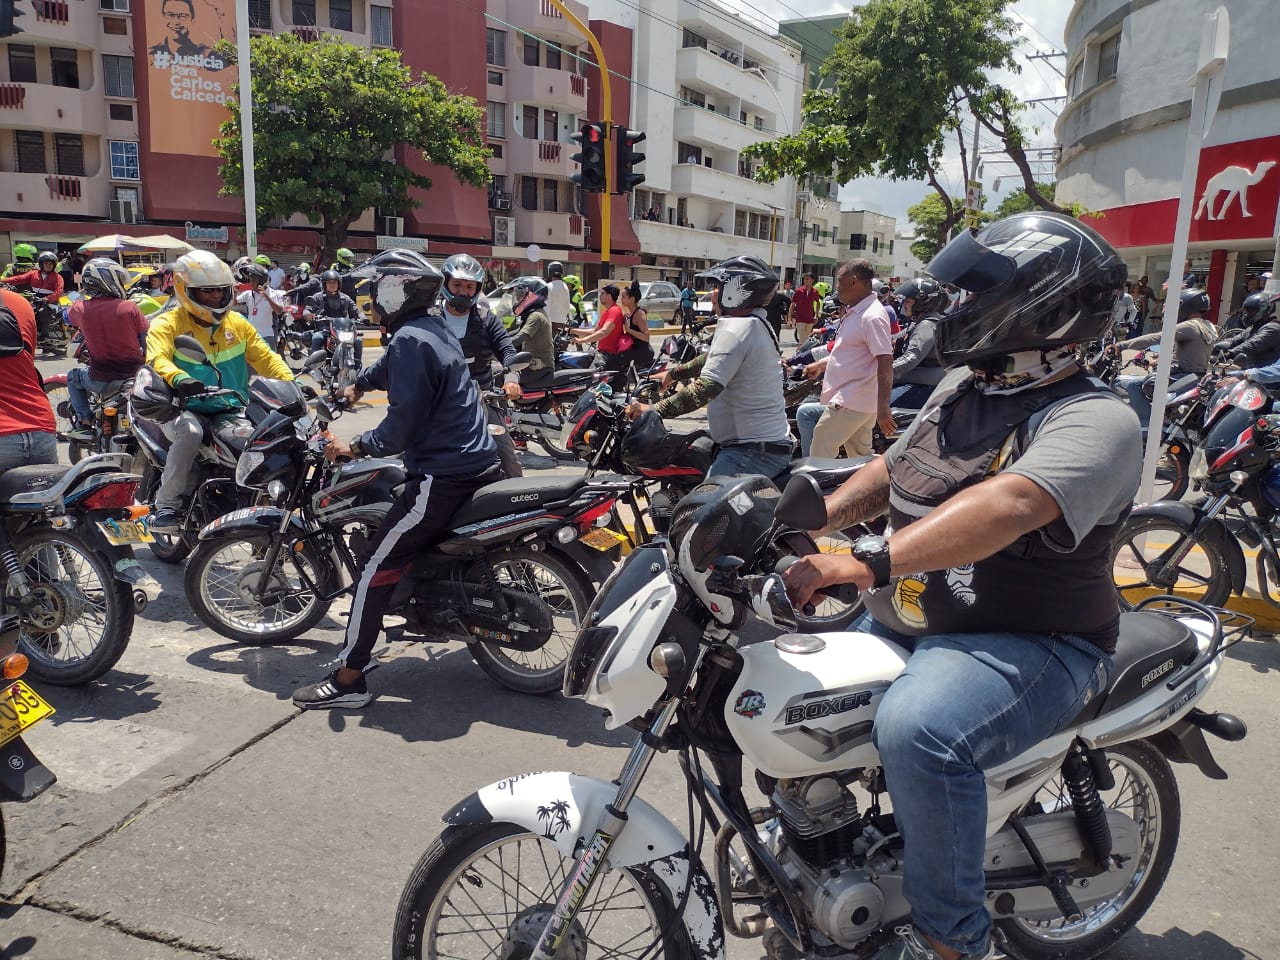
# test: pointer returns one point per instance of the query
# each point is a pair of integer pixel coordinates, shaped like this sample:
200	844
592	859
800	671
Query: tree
1019	202
902	76
933	223
327	117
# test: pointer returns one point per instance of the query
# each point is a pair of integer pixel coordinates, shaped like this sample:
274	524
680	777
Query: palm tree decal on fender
555	817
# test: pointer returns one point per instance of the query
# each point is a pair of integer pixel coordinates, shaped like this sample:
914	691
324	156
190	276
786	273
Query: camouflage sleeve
687	371
689	397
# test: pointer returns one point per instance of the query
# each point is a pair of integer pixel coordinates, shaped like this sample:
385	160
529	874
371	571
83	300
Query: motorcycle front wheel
1147	793
60	400
167	548
1142	551
487	890
552	444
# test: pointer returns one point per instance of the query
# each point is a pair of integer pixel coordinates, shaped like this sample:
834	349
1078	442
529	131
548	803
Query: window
1108	57
875	244
115	26
695	97
30	144
817	233
128	195
120	111
22	63
496	78
858	241
495	48
550	196
529	128
891	248
692	39
124	160
531	52
553	55
66	67
114	6
259	14
688	153
68	154
529	193
1073	81
550	125
381	20
340	14
117	76
497	122
304	13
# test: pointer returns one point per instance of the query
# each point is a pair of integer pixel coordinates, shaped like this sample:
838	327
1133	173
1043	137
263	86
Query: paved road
198	814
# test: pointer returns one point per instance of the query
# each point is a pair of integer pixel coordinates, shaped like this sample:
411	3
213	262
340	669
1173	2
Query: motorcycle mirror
316	359
326	411
802	505
519	362
189	349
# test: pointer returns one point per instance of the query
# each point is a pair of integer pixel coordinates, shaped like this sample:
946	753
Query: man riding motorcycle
532	333
1004	498
344	263
917	370
204	288
114	332
1257	343
24	259
44	282
331	302
428	382
1194	337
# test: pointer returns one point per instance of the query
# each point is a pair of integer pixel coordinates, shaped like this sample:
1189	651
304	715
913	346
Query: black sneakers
165	521
328	694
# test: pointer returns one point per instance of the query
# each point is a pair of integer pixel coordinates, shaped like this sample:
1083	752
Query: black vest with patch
1029	586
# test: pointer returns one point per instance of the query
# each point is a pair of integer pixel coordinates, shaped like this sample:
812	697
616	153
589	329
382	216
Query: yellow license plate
121	533
20	708
603	539
125	424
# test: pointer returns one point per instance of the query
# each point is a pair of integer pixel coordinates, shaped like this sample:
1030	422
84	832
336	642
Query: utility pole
246	131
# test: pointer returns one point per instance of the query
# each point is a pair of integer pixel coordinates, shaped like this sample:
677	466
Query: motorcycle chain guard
468	611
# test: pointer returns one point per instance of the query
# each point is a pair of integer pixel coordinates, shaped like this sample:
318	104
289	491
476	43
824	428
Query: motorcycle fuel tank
806	703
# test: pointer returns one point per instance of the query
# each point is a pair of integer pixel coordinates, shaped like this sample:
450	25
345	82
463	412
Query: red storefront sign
1237	191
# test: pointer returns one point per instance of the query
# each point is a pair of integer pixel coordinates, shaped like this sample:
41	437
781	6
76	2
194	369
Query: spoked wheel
1153	555
79	617
167	548
829	613
60	400
486	891
1172	478
1146	793
552	444
566	592
222	576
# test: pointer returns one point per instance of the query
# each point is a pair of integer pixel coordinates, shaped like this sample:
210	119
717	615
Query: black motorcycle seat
1150	646
1183	383
828	473
542	379
30	478
514	496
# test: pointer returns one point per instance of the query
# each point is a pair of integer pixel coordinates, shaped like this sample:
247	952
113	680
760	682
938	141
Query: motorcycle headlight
249	461
346	336
1199	469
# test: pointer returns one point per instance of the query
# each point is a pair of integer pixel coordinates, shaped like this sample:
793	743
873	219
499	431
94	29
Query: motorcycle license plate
122	533
20	708
603	539
125	423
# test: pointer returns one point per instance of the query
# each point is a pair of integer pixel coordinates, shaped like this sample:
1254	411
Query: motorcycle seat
544	379
514	496
30	478
1150	646
828	473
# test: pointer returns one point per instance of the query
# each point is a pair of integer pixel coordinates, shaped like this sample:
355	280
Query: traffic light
8	11
627	179
591	140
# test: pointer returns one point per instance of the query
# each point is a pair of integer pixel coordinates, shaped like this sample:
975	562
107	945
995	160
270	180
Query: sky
1040	24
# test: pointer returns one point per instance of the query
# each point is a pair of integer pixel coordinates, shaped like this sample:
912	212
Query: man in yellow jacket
205	289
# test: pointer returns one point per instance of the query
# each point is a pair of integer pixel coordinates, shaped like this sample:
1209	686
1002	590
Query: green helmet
24	252
822	287
573	281
345	257
263	260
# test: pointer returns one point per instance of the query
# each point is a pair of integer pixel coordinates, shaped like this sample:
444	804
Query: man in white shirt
275	276
260	304
557	296
1123	314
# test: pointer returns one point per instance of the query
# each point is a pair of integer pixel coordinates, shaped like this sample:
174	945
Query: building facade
866	233
1123	135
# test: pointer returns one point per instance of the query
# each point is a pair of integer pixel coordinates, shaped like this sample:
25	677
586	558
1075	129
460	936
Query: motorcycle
22	776
540	414
110	429
1080	837
293	337
335	367
512	577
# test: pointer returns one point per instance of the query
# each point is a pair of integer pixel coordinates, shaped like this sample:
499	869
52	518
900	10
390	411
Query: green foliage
1019	202
933	223
327	116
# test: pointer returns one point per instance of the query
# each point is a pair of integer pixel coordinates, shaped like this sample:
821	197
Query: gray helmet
926	294
1192	301
402	282
462	266
555	270
745	283
102	277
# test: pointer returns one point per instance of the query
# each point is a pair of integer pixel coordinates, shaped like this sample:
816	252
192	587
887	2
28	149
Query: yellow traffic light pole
606	202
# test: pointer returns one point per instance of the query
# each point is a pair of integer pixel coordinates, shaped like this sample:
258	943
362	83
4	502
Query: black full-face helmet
1031	281
1192	300
401	282
926	295
745	283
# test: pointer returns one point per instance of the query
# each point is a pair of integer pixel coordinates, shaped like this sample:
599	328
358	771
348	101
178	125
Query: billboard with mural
188	82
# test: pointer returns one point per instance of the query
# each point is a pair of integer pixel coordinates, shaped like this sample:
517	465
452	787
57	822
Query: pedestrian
275	276
805	306
260	304
26	419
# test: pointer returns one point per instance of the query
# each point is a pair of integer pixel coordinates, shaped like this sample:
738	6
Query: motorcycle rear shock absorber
1090	811
14	578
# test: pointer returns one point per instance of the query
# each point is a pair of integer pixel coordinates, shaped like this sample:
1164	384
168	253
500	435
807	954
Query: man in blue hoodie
425	375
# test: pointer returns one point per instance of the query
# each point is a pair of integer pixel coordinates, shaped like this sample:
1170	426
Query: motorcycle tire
1206	578
552	446
60	400
197	586
116	611
1173	469
1139	768
469	854
564	587
828	614
166	548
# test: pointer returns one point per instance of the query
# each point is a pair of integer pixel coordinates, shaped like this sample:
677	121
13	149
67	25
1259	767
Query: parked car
660	299
500	297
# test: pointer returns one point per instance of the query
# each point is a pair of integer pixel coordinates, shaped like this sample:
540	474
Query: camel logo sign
1235	182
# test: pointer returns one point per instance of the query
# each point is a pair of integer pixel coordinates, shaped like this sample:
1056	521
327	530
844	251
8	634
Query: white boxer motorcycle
1081	829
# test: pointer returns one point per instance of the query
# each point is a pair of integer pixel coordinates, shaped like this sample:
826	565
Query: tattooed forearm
864	496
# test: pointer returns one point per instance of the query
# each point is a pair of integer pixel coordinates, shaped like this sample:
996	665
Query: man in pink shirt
857	373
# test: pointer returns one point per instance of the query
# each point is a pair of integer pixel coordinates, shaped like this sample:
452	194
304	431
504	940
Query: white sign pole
1204	104
246	128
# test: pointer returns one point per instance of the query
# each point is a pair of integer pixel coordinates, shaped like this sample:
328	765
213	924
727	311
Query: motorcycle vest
1029	586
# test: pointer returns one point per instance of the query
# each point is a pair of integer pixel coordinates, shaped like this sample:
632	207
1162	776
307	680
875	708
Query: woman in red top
26	419
609	332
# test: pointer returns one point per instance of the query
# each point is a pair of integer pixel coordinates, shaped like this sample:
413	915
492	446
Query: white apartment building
905	263
866	233
708	84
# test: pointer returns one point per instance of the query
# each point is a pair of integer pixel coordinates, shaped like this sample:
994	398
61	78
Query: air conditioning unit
123	211
803	196
502	203
390	226
504	231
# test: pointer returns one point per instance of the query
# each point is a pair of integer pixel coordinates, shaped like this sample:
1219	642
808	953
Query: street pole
246	129
1204	104
606	96
773	230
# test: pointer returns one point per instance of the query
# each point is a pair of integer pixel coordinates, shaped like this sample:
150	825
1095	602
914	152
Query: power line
1031	26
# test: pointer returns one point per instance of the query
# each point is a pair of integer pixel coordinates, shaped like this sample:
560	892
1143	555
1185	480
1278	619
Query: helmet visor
215	298
971	266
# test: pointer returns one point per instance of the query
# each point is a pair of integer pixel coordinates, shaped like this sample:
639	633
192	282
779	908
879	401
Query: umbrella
163	241
114	243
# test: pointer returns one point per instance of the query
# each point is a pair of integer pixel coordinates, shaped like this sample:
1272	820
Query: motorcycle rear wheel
510	877
1145	791
562	587
60	400
552	444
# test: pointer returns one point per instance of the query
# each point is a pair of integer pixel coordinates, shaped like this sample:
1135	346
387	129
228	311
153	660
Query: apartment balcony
545	158
48	194
669	240
701	68
710	128
549	229
42	106
548	87
541	17
62	23
695	180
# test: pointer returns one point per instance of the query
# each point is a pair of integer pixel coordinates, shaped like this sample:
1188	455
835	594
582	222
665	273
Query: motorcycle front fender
249	521
565	809
22	776
1214	532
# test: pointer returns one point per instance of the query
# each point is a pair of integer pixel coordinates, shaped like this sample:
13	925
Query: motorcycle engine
825	850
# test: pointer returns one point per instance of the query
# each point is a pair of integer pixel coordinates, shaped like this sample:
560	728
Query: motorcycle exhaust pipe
1224	726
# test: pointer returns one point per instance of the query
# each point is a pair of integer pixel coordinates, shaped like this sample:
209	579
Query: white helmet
202	270
238	269
102	277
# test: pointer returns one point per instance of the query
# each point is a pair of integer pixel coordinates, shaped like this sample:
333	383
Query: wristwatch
873	550
358	451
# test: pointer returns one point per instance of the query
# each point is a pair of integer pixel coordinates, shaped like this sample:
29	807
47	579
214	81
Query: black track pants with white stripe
414	522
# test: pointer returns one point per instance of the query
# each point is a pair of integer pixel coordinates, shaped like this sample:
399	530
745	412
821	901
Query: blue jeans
964	704
910	396
807	417
742	458
20	449
79	386
318	338
1137	399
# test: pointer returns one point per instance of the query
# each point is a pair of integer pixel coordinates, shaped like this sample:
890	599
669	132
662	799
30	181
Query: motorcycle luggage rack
1229	627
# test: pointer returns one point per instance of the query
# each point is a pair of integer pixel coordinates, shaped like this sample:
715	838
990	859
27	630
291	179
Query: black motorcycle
335	366
512	577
